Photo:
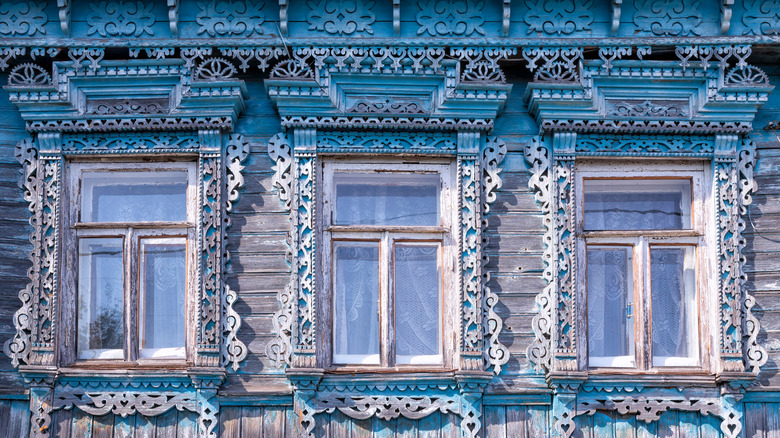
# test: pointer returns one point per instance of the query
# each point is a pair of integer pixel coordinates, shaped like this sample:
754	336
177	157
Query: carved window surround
336	111
693	112
66	123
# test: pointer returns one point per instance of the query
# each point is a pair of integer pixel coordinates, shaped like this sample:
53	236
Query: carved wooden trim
554	345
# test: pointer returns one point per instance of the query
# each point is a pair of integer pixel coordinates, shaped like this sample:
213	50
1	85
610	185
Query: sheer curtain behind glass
356	303
417	303
610	293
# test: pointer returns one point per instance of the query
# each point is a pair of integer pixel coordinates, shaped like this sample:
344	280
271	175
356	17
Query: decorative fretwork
496	354
23	18
663	18
305	341
124	403
558	17
554	345
469	260
233	18
341	17
28	75
539	352
559	64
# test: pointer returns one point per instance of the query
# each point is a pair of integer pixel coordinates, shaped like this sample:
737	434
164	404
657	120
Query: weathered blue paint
509	90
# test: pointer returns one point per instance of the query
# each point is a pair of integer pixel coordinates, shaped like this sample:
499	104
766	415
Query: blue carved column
564	223
305	240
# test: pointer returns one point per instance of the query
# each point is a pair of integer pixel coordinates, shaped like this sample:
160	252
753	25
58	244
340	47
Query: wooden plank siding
259	268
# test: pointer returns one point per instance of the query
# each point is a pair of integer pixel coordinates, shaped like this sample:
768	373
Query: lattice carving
648	145
761	17
708	54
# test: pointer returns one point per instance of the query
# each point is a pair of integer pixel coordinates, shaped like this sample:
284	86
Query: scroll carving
496	354
25	18
755	354
470	259
125	403
539	352
558	17
18	348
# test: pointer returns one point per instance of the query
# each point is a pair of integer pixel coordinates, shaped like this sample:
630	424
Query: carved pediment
650	96
135	94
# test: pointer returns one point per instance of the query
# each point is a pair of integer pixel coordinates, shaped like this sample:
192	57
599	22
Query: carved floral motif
748	76
25	18
451	17
761	17
121	18
341	17
648	108
558	17
389	106
230	18
28	75
668	17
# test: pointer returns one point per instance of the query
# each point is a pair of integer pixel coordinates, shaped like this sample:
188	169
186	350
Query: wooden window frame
700	236
387	236
132	234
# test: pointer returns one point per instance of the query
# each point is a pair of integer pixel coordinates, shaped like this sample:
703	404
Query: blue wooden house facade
359	218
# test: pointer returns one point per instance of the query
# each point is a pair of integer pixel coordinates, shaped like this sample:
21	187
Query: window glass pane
356	302
134	196
635	204
417	302
610	307
673	284
387	199
100	299
161	302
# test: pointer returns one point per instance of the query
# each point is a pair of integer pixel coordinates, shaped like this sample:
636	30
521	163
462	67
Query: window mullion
131	285
386	302
642	304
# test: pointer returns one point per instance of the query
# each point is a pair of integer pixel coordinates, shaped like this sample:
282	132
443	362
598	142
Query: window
643	230
389	241
132	226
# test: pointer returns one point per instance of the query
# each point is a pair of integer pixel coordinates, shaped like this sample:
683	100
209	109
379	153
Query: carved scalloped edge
89	383
539	352
279	349
384	386
755	354
646	127
18	347
496	354
429	123
133	124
